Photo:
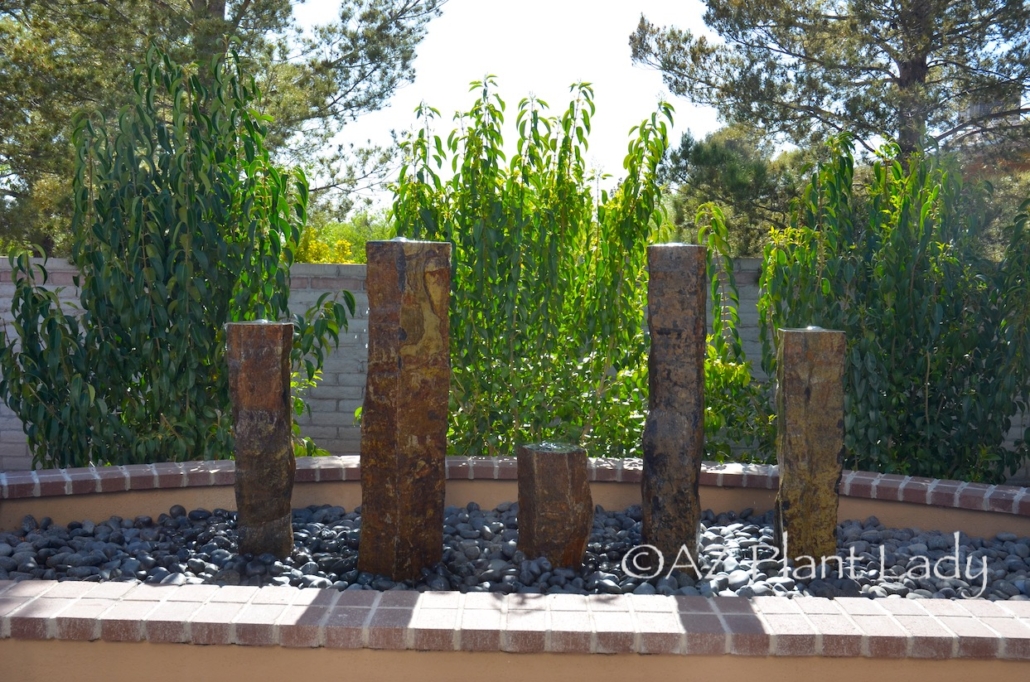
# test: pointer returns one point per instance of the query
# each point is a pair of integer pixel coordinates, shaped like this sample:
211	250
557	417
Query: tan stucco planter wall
119	662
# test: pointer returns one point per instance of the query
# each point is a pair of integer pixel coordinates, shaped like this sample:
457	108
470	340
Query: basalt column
404	418
674	430
809	439
556	511
258	355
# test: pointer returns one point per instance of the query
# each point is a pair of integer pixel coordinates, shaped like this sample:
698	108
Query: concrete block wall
341	391
746	272
14	452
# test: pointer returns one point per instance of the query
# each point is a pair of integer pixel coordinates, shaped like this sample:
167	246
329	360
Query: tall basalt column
673	443
809	439
258	355
404	418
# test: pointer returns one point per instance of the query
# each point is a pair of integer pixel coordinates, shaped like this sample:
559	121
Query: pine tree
937	73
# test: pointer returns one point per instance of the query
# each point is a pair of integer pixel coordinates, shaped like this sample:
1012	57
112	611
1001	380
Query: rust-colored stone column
258	355
556	511
677	297
404	418
809	439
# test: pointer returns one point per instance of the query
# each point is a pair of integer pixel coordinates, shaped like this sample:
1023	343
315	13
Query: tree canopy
916	72
58	56
738	168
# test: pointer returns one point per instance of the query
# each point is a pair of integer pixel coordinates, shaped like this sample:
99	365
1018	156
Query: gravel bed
737	557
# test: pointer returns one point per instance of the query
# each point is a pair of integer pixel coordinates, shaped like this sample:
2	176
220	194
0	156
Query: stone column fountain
673	442
404	417
258	355
809	439
556	511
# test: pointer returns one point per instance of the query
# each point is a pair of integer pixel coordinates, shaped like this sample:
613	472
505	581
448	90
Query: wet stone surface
404	414
809	437
480	555
258	358
673	438
555	501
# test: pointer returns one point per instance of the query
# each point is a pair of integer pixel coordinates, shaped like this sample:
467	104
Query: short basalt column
556	511
809	439
404	417
258	355
674	430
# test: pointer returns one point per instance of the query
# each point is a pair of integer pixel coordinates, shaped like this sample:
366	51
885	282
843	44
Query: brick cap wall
451	621
858	484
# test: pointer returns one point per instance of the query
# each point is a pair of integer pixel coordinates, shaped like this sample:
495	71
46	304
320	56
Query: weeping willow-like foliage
182	223
547	326
938	336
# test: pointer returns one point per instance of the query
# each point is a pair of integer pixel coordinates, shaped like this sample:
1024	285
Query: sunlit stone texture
674	431
556	511
404	418
258	355
809	439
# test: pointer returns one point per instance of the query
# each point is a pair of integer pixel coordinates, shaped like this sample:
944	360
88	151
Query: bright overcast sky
537	47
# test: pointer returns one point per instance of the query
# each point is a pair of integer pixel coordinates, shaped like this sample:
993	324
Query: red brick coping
857	484
451	621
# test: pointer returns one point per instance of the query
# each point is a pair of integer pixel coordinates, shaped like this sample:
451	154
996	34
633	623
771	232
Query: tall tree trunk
912	108
209	29
915	20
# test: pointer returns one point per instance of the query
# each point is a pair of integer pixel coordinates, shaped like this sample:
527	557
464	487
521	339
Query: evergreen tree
57	56
738	168
917	72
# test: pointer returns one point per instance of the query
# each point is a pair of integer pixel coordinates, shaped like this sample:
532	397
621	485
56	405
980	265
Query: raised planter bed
118	629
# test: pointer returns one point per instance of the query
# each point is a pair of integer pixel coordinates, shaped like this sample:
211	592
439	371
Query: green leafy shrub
739	420
938	336
343	242
548	337
182	223
547	333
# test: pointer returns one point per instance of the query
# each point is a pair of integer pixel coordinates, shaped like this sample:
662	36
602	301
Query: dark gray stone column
258	355
673	444
404	417
809	439
556	511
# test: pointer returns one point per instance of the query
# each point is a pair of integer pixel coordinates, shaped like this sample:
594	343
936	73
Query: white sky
537	47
